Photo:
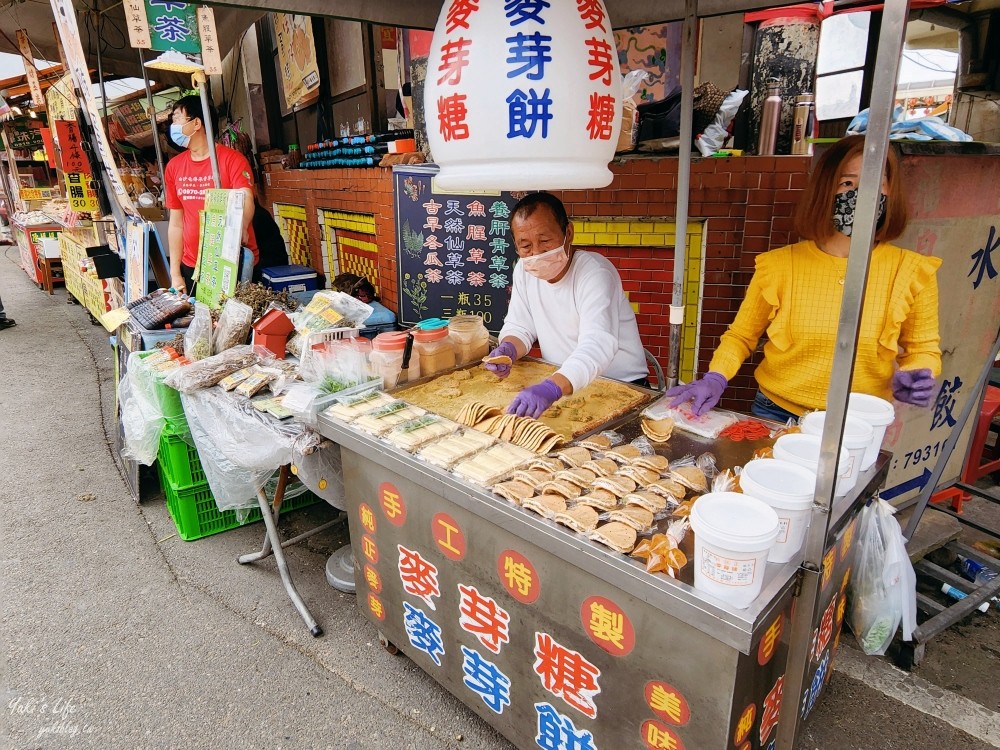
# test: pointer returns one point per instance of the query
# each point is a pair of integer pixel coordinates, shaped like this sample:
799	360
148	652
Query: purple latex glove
535	399
914	386
703	394
506	349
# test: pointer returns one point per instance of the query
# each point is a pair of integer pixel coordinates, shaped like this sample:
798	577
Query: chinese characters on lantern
529	51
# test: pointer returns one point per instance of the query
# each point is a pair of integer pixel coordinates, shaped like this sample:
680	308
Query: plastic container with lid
788	488
387	358
437	353
858	435
877	412
733	535
470	338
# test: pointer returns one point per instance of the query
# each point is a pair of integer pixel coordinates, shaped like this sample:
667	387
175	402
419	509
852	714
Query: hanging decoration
523	95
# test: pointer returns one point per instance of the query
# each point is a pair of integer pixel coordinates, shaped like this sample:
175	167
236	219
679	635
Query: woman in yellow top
795	295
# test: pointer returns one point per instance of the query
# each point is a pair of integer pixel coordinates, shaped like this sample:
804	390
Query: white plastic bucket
803	449
733	534
857	437
789	489
877	412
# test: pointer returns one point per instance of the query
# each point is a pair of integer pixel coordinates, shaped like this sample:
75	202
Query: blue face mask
177	134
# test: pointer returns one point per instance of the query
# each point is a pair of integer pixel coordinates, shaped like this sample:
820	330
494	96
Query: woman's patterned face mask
843	211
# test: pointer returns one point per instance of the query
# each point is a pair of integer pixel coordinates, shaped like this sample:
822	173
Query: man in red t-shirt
186	179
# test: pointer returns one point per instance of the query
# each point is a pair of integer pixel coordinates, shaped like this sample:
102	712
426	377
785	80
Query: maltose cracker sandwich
616	535
580	518
638	518
545	505
602	467
515	491
600	499
645	499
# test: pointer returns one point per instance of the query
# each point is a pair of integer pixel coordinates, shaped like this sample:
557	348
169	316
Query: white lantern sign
523	95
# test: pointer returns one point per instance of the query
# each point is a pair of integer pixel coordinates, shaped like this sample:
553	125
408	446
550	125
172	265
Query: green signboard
219	251
173	26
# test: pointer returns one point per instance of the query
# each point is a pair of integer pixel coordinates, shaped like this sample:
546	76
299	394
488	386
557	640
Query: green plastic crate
196	515
179	462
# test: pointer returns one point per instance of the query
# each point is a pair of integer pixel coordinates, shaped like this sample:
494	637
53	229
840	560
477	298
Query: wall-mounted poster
454	252
297	67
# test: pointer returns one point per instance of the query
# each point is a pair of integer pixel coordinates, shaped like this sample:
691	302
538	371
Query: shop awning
118	58
423	14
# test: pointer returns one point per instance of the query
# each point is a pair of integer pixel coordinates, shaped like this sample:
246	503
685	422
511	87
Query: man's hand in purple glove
703	394
914	386
506	349
535	399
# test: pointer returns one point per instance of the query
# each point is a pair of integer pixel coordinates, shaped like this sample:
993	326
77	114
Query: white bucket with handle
733	535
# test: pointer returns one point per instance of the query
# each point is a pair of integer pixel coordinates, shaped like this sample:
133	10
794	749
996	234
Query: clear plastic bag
211	370
142	415
239	447
708	425
320	469
198	339
882	592
234	325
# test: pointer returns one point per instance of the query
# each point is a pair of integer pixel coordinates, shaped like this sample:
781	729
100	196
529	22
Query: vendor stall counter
29	236
560	643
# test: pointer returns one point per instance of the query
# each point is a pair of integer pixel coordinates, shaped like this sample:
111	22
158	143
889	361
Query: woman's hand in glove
703	394
915	387
502	370
535	399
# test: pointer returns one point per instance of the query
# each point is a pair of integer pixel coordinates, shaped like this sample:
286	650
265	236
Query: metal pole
206	109
890	46
100	65
688	51
152	117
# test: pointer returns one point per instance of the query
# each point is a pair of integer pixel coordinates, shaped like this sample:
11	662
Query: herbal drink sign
454	252
219	253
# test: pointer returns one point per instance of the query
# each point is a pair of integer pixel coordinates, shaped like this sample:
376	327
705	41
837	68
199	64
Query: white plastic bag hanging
320	469
142	414
882	593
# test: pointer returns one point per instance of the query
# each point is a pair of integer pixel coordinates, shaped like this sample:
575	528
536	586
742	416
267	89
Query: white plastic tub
733	535
803	449
789	489
877	412
857	437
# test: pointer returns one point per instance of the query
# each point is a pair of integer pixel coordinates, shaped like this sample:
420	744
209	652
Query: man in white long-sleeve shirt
571	303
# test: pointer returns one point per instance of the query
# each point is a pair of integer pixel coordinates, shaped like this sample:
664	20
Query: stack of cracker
522	431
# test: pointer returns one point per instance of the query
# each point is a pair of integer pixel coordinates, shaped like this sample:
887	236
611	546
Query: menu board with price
454	252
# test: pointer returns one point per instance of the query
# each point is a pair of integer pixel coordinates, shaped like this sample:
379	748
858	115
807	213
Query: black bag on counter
660	122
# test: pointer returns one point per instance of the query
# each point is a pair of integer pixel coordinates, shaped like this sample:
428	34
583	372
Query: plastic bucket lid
433	334
874	410
780	484
390	342
735	522
857	432
803	449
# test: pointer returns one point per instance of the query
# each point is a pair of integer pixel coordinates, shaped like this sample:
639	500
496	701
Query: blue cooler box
290	278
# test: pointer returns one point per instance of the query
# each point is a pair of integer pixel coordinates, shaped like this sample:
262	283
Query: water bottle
770	117
959	595
975	571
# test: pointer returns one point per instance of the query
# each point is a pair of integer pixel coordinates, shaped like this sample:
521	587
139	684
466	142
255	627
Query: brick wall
747	204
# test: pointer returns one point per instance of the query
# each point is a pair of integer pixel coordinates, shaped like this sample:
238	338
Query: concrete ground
120	635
